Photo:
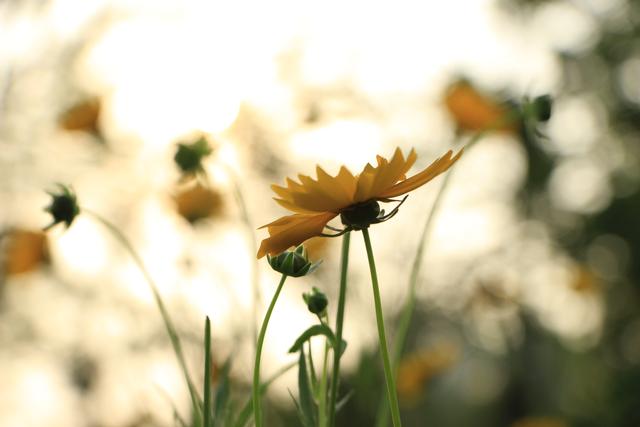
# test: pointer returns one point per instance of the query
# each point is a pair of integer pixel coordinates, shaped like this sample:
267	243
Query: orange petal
292	230
372	181
324	194
433	170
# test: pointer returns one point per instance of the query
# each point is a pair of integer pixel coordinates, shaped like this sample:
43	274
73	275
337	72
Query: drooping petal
433	170
292	230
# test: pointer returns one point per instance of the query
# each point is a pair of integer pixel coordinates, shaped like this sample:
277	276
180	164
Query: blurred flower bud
189	157
293	263
316	301
64	206
542	106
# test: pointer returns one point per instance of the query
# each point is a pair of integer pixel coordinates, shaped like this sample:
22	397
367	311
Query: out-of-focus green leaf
307	404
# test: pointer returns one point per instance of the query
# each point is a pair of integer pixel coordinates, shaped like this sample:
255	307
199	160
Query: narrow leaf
307	405
311	332
222	395
207	373
247	410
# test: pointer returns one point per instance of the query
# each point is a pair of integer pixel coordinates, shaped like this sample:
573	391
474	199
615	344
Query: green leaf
207	373
312	370
222	395
344	400
247	410
307	404
311	332
299	410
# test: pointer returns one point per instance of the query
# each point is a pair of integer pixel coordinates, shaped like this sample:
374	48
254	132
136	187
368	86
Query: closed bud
542	106
189	157
293	263
64	206
316	301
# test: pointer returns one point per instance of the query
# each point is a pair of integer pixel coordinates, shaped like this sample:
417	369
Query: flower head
293	263
189	157
316	301
64	206
355	198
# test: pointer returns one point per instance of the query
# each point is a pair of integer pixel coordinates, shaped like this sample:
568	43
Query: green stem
392	396
257	407
168	324
410	305
207	373
255	279
335	377
322	400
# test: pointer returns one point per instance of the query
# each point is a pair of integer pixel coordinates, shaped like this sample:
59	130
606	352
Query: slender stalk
244	215
335	377
207	373
322	399
410	305
388	373
168	323
257	407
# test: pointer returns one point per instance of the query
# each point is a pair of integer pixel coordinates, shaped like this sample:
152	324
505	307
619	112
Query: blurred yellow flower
540	422
198	202
354	197
82	116
584	280
417	369
23	251
475	111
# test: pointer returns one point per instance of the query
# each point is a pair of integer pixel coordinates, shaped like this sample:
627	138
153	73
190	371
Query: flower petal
324	194
292	230
433	170
374	180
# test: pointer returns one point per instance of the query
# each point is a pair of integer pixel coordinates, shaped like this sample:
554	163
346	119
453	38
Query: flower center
360	215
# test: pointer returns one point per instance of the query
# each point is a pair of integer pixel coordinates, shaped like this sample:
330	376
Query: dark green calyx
293	263
316	301
542	107
64	206
189	157
361	215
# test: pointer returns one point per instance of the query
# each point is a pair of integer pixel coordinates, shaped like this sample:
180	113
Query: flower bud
293	263
64	206
189	157
542	106
316	301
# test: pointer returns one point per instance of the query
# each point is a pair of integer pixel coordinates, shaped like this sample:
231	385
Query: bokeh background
529	304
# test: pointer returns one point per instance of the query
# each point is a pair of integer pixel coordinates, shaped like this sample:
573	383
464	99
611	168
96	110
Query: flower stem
392	397
410	304
244	215
257	407
322	398
168	323
335	377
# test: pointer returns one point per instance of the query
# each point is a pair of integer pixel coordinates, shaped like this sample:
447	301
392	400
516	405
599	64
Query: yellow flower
353	197
417	369
23	251
473	110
